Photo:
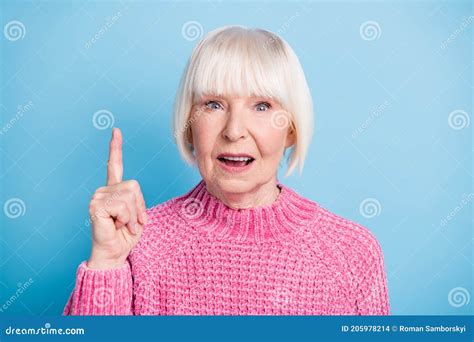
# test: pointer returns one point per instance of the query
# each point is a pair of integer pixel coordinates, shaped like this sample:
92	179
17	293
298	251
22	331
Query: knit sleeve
101	292
371	292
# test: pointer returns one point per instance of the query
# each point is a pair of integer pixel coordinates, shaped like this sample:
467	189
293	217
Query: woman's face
238	142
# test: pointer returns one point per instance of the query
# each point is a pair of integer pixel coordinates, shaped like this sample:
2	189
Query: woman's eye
212	105
263	106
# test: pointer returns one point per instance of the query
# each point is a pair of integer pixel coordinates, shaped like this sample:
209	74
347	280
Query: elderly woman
239	242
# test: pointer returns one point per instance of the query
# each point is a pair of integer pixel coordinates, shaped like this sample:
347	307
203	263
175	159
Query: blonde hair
245	62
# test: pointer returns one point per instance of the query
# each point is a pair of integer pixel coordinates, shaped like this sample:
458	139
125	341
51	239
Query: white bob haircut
244	62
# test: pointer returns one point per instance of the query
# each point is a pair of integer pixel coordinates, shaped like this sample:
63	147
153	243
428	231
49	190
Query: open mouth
236	161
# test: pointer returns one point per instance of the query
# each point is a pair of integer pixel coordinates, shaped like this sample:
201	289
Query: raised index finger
115	165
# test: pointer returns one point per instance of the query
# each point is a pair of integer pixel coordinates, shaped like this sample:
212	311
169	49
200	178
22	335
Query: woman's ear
189	136
290	136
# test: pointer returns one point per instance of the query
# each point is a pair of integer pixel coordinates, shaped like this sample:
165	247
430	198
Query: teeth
237	158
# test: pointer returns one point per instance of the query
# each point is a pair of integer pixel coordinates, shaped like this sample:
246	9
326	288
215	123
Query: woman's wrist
96	261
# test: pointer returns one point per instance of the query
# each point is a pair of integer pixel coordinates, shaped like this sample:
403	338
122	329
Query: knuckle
109	200
101	189
126	195
122	206
93	205
117	193
95	196
129	194
134	185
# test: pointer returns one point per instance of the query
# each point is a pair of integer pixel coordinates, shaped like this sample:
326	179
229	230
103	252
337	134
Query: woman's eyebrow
205	97
263	97
250	98
267	99
213	96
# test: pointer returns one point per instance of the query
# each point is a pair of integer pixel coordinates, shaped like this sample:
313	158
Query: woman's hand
117	212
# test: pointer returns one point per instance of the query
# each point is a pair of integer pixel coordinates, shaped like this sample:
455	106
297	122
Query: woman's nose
235	126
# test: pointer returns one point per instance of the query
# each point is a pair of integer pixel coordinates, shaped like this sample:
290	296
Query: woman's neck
261	195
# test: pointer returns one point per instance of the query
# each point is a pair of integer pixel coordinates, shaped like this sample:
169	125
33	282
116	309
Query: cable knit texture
199	257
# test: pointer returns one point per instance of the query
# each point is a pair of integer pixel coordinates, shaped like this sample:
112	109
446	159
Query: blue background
406	156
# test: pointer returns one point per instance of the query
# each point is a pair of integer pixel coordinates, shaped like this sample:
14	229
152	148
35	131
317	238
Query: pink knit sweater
199	257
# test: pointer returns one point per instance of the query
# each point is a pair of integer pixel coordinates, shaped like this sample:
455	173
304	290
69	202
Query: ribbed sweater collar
280	220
